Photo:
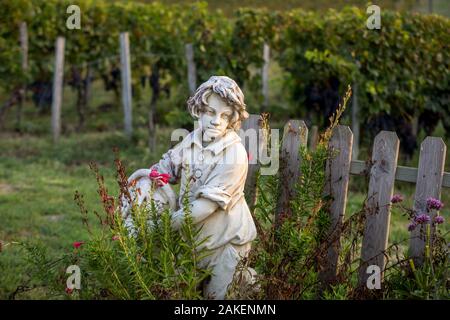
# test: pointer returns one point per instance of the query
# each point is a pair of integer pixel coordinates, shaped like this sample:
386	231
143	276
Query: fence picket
381	187
252	125
295	135
338	174
429	184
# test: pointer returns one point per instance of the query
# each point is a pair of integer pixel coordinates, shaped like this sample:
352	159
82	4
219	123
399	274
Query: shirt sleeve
170	163
225	183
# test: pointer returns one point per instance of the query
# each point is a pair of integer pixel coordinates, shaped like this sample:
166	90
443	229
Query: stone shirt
216	172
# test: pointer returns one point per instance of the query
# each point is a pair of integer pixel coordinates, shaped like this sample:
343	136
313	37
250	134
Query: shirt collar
216	147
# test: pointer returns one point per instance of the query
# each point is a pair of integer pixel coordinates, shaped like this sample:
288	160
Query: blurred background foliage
401	70
228	7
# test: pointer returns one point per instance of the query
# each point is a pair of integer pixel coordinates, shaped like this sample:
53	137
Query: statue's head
219	105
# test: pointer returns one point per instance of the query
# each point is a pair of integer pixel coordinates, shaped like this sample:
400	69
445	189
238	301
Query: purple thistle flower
397	198
433	203
422	218
412	226
439	219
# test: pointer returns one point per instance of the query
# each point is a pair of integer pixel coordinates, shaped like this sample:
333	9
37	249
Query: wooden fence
383	171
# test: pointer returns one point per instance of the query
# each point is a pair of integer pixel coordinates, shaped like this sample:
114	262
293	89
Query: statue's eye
226	116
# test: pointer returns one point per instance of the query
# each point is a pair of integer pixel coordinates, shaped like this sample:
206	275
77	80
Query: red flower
115	237
161	178
249	157
69	291
77	244
165	178
154	174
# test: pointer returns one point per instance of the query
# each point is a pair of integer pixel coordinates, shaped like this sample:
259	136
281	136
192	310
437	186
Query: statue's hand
138	174
140	185
161	179
135	191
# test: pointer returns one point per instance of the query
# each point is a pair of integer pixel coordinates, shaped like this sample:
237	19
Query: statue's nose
215	121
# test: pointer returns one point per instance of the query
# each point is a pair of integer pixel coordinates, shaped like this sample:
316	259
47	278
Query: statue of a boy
211	164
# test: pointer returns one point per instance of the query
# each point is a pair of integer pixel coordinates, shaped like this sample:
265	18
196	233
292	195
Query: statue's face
215	118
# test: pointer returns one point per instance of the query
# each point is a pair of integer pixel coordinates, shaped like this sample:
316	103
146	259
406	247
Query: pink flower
439	219
69	291
433	203
154	174
77	244
397	198
412	226
161	178
422	218
249	157
115	237
164	178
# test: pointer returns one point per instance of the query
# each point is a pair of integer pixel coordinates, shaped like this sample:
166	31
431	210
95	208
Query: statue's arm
169	163
223	185
201	208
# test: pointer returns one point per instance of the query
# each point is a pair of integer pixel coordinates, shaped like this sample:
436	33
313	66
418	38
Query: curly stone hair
228	90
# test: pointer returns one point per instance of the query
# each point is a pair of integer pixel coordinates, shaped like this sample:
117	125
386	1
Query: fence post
313	137
429	184
295	135
355	122
265	76
88	85
58	80
126	82
24	53
250	127
192	71
337	177
24	44
378	208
